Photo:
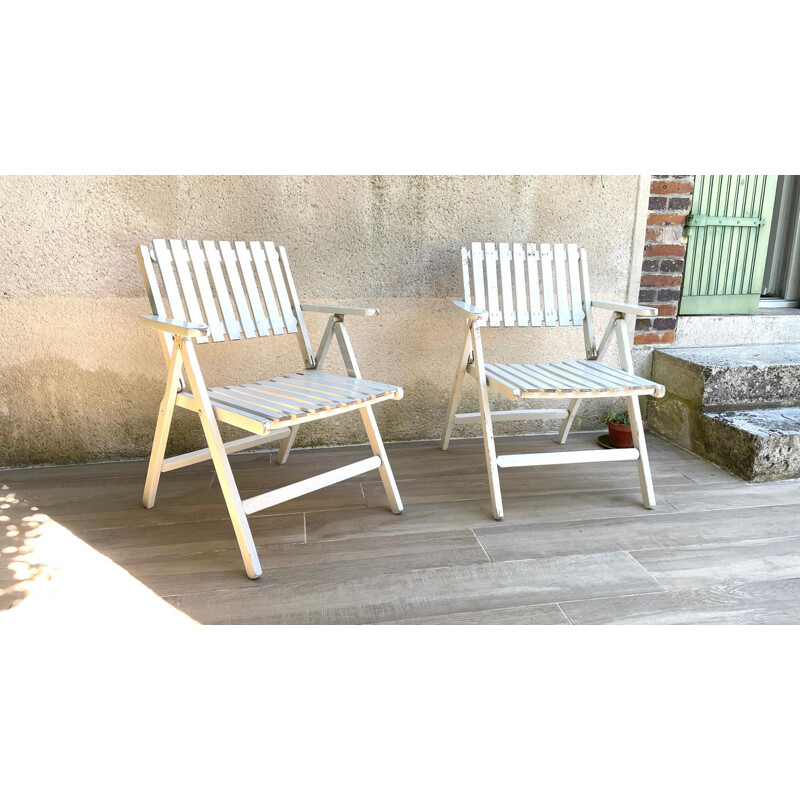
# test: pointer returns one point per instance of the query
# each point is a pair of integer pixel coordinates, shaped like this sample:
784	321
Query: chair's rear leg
455	394
643	463
385	471
567	423
486	425
222	465
286	445
165	413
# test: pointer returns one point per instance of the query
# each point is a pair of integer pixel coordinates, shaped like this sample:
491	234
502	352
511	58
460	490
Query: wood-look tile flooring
576	546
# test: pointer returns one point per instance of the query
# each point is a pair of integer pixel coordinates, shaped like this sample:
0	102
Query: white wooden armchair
211	291
544	285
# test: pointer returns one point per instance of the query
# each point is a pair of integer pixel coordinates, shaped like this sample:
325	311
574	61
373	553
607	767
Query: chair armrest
353	311
472	312
175	326
625	308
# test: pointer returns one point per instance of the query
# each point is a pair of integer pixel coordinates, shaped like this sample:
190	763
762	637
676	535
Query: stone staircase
737	406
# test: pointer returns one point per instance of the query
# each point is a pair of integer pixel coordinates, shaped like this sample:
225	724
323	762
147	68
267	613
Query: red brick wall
664	252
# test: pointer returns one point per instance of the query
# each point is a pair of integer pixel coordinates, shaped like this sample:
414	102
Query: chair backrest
538	284
237	289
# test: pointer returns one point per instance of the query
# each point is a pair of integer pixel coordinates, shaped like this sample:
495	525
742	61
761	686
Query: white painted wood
235	281
163	424
286	445
523	317
557	294
211	315
509	315
465	269
560	263
378	450
176	327
230	492
276	496
286	315
165	267
302	332
639	443
513	415
492	299
625	308
214	260
479	299
245	261
572	412
548	298
180	258
353	311
325	343
588	327
455	393
567	457
486	424
534	291
471	312
197	456
252	280
575	294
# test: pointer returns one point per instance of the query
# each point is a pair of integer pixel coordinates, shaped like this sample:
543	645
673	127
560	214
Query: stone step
719	378
755	444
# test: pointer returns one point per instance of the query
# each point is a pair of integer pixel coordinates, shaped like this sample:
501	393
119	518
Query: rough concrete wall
80	380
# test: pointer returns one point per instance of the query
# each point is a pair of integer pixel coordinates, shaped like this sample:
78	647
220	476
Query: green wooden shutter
728	232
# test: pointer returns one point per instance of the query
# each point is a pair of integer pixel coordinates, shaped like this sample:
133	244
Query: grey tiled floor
575	546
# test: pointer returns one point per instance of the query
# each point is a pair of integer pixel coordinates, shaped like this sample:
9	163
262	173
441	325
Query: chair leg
222	465
567	423
163	425
643	463
455	394
286	445
385	471
486	425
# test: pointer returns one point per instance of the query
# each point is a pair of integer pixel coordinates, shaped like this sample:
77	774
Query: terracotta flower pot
619	435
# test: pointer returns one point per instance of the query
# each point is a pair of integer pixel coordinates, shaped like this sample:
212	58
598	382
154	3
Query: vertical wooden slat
491	284
547	285
533	285
477	273
574	284
509	317
564	316
302	333
586	295
465	267
246	266
232	325
229	259
206	295
260	260
164	259
523	318
181	260
280	286
151	282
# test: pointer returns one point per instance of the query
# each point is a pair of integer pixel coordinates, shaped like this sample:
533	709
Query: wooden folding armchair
211	291
549	286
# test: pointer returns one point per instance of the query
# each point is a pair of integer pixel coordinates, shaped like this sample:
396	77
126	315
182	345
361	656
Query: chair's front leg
165	413
216	447
486	424
455	394
286	445
572	409
384	470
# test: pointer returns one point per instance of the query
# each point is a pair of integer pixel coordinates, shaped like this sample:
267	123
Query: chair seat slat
257	394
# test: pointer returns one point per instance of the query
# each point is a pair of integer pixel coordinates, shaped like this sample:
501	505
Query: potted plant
619	427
